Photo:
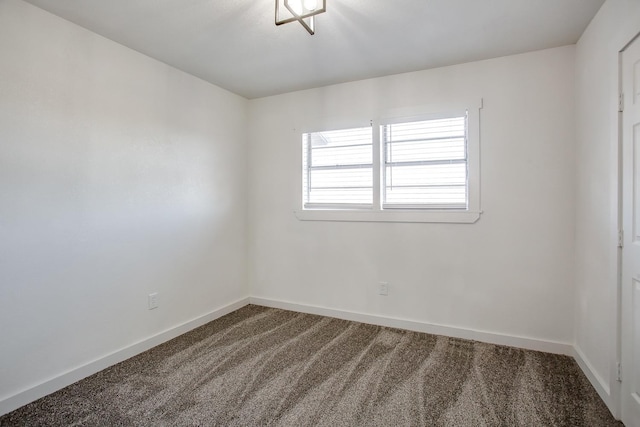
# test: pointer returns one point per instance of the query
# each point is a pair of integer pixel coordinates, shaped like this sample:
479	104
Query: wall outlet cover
153	300
383	288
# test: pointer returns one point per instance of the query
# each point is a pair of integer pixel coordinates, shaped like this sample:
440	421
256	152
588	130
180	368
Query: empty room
320	212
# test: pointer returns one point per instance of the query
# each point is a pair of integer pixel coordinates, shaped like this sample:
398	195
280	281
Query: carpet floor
262	366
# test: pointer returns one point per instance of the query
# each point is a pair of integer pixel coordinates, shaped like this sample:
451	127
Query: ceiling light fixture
303	11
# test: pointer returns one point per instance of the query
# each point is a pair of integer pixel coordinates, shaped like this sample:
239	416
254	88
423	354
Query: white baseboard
412	325
594	378
67	378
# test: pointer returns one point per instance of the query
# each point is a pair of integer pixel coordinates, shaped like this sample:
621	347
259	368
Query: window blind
425	164
338	169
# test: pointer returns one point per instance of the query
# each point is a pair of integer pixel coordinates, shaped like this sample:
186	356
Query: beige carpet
260	366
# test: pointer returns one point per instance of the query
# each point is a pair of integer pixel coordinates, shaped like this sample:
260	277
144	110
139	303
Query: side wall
119	177
510	274
596	226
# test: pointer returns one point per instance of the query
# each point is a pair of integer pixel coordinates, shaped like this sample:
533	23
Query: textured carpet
262	366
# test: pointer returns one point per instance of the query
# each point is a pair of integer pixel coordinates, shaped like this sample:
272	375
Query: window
338	169
418	169
425	164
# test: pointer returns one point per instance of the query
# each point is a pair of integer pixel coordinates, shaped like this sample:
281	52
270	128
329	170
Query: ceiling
235	44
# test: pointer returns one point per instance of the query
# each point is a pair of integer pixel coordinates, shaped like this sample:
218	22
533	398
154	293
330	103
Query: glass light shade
296	5
310	4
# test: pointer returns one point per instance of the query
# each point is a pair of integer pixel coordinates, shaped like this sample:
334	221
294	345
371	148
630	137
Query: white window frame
426	215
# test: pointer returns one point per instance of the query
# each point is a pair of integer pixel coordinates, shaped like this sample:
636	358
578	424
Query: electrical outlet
153	301
383	289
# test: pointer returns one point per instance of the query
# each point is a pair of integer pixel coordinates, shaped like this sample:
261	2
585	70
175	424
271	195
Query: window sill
453	217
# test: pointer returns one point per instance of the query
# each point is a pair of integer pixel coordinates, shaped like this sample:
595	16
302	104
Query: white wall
597	187
511	273
119	176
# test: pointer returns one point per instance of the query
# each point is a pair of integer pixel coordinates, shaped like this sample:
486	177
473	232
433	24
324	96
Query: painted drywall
597	187
119	176
510	273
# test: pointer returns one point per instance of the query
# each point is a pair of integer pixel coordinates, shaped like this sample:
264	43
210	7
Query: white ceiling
236	45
